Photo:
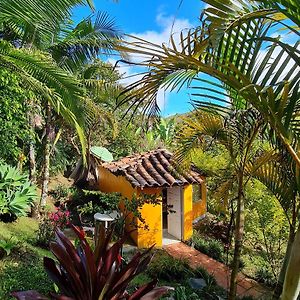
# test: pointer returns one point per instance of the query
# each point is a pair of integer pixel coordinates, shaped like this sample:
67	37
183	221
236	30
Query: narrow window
197	195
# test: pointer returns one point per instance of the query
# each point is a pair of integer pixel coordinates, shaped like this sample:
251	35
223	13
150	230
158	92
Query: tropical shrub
60	218
83	274
60	193
166	267
98	203
265	276
208	246
16	193
267	229
200	272
6	246
182	293
45	232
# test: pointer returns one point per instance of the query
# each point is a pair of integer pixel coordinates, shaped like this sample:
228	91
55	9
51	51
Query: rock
197	283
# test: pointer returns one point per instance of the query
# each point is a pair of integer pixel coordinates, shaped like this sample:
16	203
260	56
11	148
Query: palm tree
79	47
238	134
23	26
235	46
67	48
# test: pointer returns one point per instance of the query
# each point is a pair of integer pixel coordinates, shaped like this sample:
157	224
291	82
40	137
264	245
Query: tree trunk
46	164
31	155
239	233
291	286
32	177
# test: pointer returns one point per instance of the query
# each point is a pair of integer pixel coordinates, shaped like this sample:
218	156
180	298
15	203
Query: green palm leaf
86	41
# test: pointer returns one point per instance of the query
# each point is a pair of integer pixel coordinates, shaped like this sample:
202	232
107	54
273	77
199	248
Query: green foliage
16	193
200	272
267	228
182	293
209	246
15	132
265	276
166	267
104	202
8	245
161	134
107	280
127	141
45	232
24	273
61	193
23	268
212	159
63	157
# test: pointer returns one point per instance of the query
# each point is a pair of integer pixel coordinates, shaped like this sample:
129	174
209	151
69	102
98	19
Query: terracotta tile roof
152	169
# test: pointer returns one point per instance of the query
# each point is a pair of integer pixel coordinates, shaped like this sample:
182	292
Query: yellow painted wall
187	212
153	217
110	183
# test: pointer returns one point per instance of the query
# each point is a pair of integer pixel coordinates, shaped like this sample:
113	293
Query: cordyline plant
84	274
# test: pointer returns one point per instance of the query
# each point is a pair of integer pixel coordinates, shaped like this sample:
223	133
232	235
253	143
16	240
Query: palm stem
239	233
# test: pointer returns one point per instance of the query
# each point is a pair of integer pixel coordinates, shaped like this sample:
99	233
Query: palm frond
36	17
49	82
275	174
86	41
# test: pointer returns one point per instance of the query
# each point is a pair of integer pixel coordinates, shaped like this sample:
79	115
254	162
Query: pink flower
55	217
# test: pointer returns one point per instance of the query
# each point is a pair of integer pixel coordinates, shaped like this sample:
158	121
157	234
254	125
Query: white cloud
167	26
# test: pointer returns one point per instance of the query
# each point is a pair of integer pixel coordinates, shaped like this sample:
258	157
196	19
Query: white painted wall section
175	218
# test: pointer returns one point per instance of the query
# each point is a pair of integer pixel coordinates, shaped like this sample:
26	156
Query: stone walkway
246	286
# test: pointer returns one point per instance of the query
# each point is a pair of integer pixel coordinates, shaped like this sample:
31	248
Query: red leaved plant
84	274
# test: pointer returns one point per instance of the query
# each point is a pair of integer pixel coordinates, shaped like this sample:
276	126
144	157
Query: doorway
172	215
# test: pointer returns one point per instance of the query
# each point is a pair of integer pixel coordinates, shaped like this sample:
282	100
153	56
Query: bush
264	275
99	203
7	245
16	194
200	272
61	193
45	232
165	267
183	293
57	219
208	246
83	273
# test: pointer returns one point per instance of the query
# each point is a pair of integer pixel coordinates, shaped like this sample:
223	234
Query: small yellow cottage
153	173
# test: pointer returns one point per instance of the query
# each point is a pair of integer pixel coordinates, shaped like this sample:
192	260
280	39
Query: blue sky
151	19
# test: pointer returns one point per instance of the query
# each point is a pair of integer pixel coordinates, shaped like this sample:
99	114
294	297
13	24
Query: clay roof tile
152	169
